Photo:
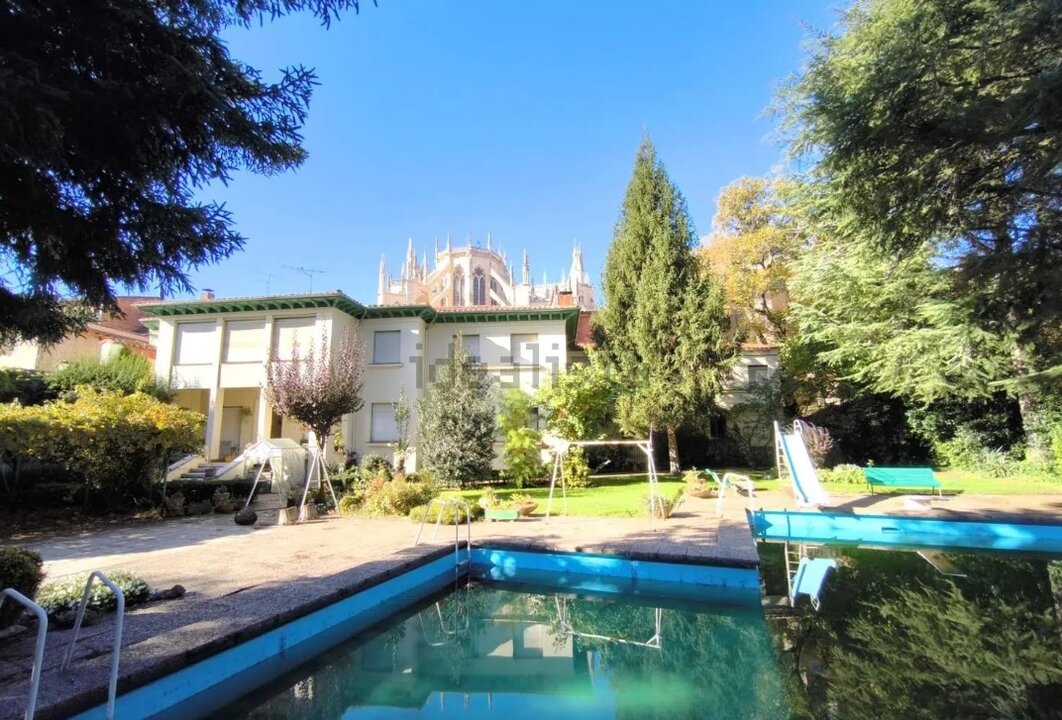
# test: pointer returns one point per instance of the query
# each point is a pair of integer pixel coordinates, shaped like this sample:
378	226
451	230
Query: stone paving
244	581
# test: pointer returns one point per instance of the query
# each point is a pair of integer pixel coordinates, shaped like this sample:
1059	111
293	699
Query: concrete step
269	501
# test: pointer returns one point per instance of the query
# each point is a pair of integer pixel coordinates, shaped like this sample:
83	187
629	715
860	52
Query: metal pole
38	652
116	648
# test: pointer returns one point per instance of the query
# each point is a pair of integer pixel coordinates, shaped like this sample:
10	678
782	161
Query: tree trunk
1037	441
672	451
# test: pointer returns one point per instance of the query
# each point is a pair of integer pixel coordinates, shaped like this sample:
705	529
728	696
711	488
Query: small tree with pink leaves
317	388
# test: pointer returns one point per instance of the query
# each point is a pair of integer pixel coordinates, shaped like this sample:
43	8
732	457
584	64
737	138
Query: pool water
896	638
510	651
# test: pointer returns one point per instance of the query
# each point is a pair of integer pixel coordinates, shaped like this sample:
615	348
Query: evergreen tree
664	320
457	423
939	122
115	114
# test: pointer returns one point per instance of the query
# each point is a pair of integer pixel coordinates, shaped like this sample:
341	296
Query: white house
214	351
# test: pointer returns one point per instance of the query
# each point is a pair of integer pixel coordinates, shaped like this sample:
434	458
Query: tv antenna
308	272
268	279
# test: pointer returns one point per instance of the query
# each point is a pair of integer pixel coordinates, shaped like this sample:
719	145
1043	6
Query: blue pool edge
192	684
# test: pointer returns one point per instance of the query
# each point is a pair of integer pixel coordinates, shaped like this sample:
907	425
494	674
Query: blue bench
901	477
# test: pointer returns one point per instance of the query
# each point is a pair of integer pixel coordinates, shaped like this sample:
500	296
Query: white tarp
287	459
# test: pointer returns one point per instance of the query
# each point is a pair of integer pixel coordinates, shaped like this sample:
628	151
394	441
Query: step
269	501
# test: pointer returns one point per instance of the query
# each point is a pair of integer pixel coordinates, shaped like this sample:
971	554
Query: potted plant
659	506
697	485
523	503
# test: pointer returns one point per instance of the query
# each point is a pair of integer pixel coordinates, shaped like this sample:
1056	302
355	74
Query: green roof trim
424	312
338	300
256	304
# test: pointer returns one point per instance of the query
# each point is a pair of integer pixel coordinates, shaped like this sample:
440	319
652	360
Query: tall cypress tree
664	321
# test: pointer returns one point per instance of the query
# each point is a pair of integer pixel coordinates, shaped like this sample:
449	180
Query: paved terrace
244	581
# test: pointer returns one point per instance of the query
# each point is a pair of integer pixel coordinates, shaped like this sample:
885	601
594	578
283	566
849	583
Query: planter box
502	514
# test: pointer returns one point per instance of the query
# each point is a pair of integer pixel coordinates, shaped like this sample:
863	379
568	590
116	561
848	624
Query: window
386	347
195	343
244	341
289	332
758	374
382	425
459	287
479	287
471	346
524	349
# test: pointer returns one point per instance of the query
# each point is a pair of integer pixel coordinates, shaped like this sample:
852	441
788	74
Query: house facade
102	339
215	352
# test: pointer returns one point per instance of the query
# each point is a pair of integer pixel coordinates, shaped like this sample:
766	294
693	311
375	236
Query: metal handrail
116	649
457	504
38	652
732	480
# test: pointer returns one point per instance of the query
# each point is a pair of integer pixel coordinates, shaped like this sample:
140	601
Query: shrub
19	569
126	373
450	514
819	442
698	485
26	387
397	497
1056	449
963	450
349	505
118	443
996	463
349	479
375	467
847	474
575	469
664	505
62	596
523	456
488	499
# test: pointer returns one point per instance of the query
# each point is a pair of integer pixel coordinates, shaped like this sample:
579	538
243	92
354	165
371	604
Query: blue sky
521	119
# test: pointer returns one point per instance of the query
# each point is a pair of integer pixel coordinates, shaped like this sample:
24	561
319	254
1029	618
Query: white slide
806	485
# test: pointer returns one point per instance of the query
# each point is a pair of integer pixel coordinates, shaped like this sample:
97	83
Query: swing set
559	448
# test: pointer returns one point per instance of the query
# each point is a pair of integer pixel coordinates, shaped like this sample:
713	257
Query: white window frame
375	431
303	329
376	360
248	353
206	345
476	356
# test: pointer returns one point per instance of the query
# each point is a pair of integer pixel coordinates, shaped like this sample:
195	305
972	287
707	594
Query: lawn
611	496
953	482
624	495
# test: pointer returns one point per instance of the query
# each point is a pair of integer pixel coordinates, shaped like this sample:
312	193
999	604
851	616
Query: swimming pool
480	641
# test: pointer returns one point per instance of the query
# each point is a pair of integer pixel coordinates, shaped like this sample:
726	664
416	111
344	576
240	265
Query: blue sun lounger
810	577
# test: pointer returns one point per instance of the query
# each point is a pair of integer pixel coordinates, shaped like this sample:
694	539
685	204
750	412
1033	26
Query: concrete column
213	429
263	416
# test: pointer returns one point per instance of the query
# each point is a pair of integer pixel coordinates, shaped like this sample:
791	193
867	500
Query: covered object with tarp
286	459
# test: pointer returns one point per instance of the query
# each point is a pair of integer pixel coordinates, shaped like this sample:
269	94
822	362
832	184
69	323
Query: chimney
206	294
565	299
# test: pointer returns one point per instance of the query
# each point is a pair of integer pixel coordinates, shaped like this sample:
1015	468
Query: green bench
901	477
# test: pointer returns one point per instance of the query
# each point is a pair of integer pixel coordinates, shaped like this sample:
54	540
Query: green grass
953	482
611	496
624	495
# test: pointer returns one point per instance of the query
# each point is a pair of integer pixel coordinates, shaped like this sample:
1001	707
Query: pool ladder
42	630
458	506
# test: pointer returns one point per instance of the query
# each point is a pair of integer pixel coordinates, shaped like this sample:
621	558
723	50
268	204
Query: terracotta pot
526	509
